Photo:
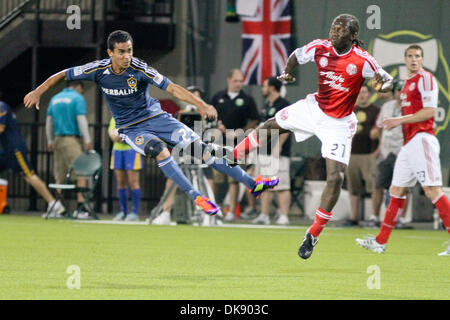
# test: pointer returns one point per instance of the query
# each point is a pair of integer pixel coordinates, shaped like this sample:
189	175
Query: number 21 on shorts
338	150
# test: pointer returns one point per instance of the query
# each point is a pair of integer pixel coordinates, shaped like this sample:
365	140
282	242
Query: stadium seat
88	165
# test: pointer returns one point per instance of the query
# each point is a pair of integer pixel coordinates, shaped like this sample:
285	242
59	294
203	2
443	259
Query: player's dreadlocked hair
353	25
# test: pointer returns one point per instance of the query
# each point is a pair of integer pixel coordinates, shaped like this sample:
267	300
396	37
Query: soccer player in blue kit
124	81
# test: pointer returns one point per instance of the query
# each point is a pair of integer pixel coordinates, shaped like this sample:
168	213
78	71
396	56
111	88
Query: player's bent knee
335	178
397	191
432	192
164	154
156	149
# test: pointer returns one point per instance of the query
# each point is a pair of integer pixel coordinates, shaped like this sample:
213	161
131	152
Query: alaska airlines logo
119	92
334	80
404	102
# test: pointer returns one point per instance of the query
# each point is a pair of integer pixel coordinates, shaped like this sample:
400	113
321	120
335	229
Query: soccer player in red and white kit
342	66
418	159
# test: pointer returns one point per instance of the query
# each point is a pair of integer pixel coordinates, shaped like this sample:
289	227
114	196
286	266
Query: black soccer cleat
306	248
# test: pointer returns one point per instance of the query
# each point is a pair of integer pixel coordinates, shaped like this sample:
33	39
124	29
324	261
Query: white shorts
418	160
306	119
269	166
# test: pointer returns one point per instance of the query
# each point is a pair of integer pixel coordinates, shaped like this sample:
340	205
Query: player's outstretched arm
291	64
423	114
33	97
182	94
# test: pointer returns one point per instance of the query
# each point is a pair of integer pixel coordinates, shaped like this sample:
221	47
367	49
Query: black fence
151	10
19	192
8	6
132	9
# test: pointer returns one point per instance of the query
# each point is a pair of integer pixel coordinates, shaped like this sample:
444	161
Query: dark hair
196	89
75	83
274	82
397	85
118	36
415	47
367	86
353	27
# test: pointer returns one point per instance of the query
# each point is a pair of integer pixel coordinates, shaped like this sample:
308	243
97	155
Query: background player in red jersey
418	159
328	113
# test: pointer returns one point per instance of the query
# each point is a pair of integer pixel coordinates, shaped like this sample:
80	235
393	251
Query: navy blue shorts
17	161
163	127
125	160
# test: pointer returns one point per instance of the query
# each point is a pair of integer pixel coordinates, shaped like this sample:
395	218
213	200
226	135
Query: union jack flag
266	41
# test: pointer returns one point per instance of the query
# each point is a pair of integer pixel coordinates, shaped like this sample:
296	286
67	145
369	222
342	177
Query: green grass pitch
187	262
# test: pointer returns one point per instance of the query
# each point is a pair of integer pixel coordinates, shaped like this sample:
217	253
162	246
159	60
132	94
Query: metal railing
115	9
10	10
131	9
60	6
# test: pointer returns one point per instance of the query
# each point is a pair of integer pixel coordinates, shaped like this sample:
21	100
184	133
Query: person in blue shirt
14	157
66	122
125	81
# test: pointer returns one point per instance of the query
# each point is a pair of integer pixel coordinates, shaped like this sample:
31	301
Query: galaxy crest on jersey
127	95
340	75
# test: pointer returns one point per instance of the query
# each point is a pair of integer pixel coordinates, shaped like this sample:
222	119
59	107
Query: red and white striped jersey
420	90
340	75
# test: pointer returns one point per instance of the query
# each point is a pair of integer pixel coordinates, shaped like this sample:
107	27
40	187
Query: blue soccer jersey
11	139
126	94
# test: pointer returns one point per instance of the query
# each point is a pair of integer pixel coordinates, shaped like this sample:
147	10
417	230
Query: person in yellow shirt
126	164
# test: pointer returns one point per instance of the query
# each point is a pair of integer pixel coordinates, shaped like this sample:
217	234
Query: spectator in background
275	161
385	97
172	108
66	122
418	159
362	163
207	124
164	217
14	157
390	144
236	110
126	164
